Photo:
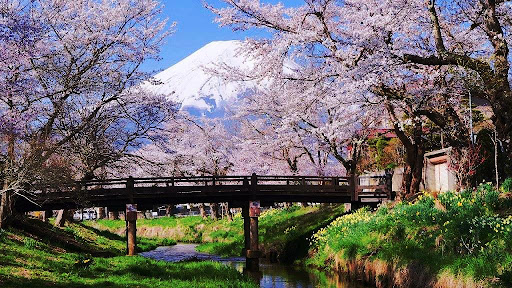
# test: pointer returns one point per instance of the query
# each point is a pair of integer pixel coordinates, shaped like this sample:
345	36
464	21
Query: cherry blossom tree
82	59
366	49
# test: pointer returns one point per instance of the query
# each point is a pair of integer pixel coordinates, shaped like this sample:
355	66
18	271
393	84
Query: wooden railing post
131	229
254	183
253	253
130	187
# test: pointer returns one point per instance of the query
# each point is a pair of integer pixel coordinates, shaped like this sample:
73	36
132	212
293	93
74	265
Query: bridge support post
247	227
131	229
251	240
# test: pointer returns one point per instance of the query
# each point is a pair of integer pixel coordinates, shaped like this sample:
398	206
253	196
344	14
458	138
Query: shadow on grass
15	282
51	235
105	233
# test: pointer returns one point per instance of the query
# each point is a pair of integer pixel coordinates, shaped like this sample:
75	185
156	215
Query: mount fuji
191	84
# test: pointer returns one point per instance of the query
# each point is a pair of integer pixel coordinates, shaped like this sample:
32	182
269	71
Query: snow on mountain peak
188	83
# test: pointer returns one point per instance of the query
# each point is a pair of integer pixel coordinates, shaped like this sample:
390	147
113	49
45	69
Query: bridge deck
204	189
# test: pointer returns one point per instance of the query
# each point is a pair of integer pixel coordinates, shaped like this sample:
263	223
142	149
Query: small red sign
131	212
254	209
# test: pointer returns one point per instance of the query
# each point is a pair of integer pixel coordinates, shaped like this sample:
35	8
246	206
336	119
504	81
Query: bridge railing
192	181
302	180
373	187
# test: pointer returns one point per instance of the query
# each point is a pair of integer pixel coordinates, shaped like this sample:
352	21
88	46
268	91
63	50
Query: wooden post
130	187
247	227
131	229
254	183
254	253
253	261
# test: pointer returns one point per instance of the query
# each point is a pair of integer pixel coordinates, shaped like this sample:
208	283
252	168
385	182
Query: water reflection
272	275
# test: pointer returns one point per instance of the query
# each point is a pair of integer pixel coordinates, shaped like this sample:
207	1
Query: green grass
34	254
284	233
465	234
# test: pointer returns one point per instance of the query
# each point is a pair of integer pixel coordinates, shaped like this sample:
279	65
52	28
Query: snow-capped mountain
191	83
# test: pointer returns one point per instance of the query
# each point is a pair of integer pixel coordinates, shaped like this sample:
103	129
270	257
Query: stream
274	275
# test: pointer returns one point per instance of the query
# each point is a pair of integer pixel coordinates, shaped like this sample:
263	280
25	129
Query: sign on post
131	212
254	209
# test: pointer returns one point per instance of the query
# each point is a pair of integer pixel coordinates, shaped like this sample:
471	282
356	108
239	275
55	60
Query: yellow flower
459	204
417	213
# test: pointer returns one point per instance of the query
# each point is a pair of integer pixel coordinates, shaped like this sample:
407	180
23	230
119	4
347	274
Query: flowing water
272	274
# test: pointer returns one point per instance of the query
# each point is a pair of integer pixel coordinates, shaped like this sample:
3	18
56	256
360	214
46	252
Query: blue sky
195	28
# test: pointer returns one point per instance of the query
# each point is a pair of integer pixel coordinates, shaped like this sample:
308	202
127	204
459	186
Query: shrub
462	232
507	185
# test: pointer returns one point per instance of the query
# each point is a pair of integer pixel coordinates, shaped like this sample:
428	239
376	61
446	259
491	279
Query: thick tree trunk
5	207
412	177
414	149
413	170
62	217
6	200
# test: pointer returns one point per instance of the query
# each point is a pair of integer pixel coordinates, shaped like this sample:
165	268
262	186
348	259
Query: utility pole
471	118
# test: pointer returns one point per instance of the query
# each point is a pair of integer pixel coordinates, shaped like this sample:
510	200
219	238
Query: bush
462	232
507	185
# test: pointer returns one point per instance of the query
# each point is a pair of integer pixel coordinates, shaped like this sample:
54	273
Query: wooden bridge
237	190
247	192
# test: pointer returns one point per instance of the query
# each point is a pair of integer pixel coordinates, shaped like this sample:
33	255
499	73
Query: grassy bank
284	233
446	240
34	254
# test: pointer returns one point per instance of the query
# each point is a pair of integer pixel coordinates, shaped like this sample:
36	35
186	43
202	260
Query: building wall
437	175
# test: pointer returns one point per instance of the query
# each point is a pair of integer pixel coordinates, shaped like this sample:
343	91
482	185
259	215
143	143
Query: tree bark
6	201
495	142
414	150
5	204
63	216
